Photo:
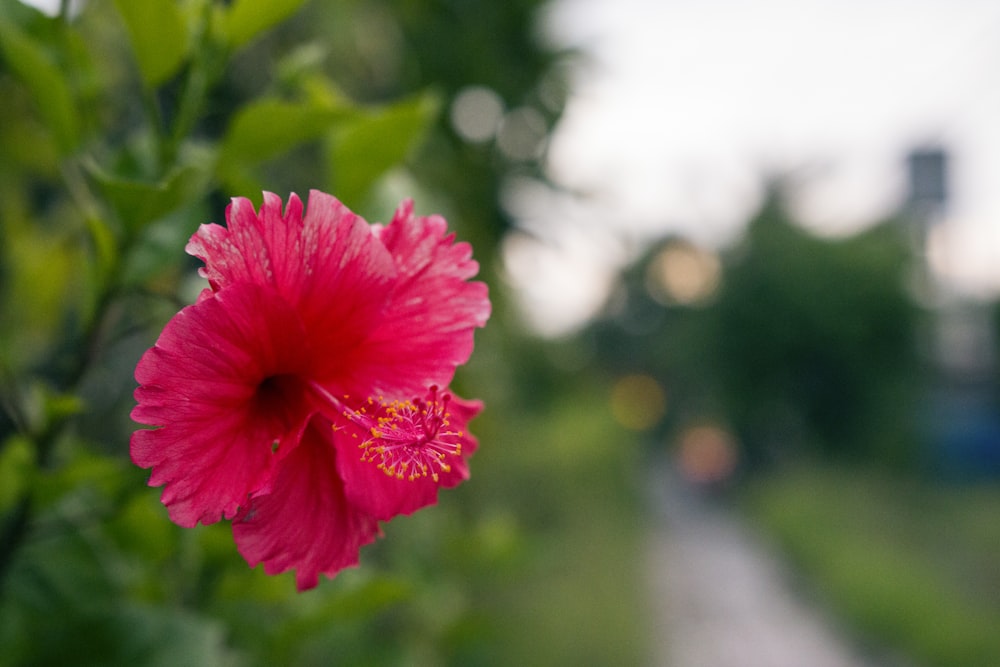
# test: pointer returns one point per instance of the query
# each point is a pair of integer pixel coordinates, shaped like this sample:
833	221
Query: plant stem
14	531
201	75
17	526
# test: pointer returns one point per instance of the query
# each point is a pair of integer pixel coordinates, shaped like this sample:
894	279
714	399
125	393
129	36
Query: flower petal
428	326
305	523
203	384
385	496
251	248
327	265
305	309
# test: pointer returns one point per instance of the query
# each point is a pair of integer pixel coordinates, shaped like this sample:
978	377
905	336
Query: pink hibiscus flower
300	396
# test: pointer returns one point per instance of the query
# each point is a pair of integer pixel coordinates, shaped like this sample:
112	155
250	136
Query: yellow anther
407	439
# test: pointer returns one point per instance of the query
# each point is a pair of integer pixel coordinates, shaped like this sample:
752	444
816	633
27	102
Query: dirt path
724	601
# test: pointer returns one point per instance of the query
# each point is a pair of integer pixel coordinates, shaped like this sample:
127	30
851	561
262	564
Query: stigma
408	439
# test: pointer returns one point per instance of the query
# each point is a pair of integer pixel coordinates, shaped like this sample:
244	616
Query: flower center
278	397
408	439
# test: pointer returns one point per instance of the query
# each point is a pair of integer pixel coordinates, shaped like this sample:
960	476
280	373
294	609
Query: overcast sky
680	106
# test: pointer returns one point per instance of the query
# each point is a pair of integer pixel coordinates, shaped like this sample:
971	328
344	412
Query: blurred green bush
907	565
124	125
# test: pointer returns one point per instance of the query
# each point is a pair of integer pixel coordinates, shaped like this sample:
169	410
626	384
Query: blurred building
961	341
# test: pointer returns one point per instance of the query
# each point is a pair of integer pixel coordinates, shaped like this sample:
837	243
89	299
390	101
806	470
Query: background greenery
122	128
126	124
869	464
909	564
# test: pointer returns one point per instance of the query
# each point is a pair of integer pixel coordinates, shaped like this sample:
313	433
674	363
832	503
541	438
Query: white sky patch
680	108
52	7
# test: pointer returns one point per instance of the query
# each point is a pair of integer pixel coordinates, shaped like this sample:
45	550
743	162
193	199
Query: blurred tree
816	342
809	346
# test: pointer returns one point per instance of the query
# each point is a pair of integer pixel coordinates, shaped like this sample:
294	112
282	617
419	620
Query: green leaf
47	85
369	598
105	246
138	203
90	474
236	178
17	465
160	244
141	529
367	148
98	626
247	18
39	405
67	573
358	600
42	287
164	637
59	405
268	127
158	34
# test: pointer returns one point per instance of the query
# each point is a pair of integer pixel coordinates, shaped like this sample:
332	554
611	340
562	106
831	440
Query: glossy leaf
247	18
158	35
269	127
368	147
47	84
138	203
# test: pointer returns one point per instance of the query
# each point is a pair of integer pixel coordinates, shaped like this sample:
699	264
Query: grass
909	566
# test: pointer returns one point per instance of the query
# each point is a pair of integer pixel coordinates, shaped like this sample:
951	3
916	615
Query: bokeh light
707	454
476	113
682	273
522	134
638	402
